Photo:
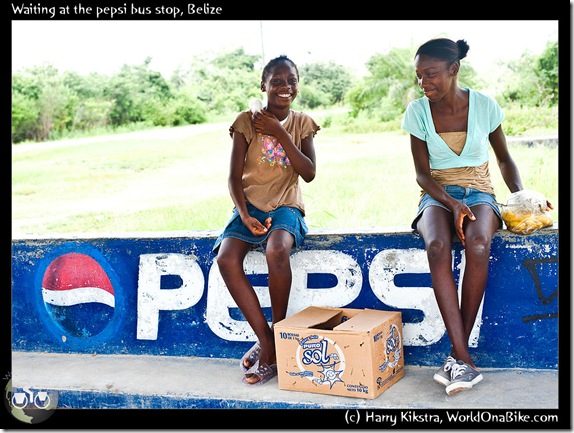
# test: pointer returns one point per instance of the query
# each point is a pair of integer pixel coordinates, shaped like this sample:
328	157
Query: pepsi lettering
176	281
348	277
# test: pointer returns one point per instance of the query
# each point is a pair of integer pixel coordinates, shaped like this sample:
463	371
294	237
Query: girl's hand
461	211
265	122
256	227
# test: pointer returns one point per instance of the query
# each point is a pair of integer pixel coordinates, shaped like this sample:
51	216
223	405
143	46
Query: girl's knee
227	261
438	248
277	255
478	246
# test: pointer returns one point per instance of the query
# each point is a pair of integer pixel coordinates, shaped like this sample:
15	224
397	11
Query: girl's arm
432	187
508	168
303	161
235	184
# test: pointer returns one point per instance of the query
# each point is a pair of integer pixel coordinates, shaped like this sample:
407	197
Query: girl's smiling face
281	85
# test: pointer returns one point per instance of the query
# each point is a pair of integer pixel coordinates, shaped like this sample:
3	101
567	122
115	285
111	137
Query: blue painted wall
162	295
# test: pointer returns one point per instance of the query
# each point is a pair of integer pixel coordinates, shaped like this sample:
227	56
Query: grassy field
176	180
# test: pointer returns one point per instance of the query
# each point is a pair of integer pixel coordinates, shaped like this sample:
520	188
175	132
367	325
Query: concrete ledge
85	381
537	140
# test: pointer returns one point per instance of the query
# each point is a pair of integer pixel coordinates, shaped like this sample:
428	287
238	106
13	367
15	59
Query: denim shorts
469	196
284	217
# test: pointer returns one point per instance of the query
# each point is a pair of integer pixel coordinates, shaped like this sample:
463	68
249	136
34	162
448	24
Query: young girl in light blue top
451	129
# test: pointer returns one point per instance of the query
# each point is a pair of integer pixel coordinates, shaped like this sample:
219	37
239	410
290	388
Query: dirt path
176	132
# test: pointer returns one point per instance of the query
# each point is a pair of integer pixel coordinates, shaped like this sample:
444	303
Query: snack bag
525	212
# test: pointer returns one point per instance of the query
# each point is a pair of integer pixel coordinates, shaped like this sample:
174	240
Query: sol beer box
340	351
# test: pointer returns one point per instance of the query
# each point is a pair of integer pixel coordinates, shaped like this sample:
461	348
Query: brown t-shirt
269	180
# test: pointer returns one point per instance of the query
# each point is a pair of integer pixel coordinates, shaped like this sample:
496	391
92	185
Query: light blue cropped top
484	116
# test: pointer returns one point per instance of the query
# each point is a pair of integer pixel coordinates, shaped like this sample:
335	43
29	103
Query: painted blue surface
519	318
93	400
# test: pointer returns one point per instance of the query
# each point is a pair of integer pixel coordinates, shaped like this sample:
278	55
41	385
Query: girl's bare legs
479	235
230	259
435	226
277	252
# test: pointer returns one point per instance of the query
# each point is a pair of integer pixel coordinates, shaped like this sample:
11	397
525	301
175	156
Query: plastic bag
525	212
255	105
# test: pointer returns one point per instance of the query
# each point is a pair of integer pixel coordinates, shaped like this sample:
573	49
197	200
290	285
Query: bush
522	120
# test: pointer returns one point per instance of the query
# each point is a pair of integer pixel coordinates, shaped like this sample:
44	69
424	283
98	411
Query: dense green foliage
538	79
323	84
49	105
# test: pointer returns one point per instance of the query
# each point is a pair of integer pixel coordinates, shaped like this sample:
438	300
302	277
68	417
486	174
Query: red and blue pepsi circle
79	296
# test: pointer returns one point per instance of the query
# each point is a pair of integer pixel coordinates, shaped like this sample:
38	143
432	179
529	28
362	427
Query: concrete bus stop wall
162	294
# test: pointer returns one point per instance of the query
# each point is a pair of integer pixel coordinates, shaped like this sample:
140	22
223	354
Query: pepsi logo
78	295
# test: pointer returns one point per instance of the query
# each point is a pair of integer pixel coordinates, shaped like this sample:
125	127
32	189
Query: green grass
176	180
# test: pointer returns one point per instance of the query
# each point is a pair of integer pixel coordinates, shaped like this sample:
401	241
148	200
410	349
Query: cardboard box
340	351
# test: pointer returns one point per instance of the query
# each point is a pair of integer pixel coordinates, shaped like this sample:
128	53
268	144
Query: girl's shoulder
306	123
419	105
243	115
419	102
243	118
300	115
242	123
483	100
480	95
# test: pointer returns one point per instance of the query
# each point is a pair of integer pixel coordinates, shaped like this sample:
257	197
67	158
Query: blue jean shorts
469	196
284	217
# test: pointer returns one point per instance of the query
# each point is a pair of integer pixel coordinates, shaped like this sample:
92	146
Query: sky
88	46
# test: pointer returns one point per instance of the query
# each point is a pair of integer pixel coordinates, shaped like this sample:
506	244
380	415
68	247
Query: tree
391	84
24	117
323	84
38	93
547	71
236	60
89	107
224	83
26	90
136	91
533	80
382	92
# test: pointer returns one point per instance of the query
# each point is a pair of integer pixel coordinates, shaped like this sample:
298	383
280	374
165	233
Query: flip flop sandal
252	356
264	372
